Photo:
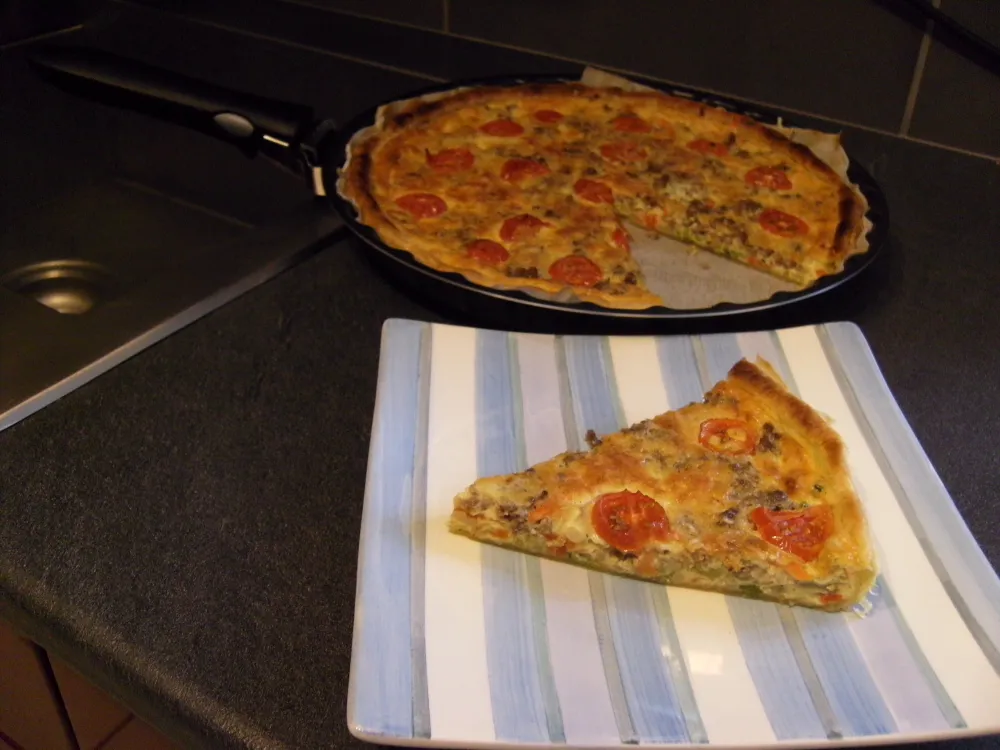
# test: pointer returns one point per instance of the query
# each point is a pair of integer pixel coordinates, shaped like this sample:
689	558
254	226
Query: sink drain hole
71	287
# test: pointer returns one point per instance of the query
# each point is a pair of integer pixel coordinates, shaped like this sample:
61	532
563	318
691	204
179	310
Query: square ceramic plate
465	645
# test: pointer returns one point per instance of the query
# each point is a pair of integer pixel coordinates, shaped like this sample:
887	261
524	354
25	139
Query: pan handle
252	123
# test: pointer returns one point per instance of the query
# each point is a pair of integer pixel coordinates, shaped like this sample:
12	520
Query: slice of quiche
745	493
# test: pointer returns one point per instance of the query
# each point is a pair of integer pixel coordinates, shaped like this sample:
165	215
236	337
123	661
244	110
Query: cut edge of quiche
746	493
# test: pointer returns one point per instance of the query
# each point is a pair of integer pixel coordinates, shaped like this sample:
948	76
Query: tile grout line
8	742
918	75
40	37
945	147
118	728
321	50
302	45
339	12
715	92
49	675
550	56
578	61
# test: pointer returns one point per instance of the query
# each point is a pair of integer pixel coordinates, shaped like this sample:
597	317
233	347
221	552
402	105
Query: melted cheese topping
699	174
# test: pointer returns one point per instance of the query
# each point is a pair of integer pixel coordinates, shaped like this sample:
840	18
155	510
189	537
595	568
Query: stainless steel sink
116	231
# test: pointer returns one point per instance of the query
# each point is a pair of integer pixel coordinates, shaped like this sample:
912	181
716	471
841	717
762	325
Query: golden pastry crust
701	174
745	493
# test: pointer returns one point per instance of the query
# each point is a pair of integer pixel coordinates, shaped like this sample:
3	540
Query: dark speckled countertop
183	530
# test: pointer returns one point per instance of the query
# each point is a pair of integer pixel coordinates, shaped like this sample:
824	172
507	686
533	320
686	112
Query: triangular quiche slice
745	493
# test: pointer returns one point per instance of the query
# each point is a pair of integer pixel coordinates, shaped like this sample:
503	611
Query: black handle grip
248	121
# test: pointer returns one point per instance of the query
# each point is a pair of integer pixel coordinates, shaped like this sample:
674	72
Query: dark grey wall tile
959	100
24	19
161	155
849	59
429	53
980	16
429	13
336	87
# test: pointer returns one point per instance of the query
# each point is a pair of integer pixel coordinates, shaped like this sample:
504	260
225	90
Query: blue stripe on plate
602	623
809	675
591	376
966	574
772	663
418	540
670	647
546	673
679	370
382	669
536	590
918	690
653	701
842	670
516	693
616	687
923	703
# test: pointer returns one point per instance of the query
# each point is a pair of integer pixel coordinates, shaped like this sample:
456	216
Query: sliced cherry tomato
515	170
831	598
559	549
422	205
576	271
548	116
487	251
623	152
711	148
502	128
621	239
730	436
593	191
782	224
631	124
522	227
451	160
628	521
771	178
800	532
646	564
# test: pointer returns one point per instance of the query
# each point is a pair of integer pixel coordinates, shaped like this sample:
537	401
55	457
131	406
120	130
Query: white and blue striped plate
465	645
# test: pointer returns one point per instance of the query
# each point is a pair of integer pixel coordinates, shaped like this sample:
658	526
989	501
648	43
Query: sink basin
116	230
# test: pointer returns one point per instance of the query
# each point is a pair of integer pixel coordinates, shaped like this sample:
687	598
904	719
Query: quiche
745	493
541	187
